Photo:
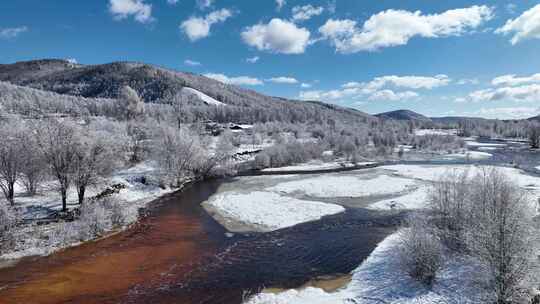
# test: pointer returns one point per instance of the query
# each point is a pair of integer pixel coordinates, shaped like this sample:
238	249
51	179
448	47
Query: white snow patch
479	144
269	211
203	97
487	148
345	186
317	165
472	155
424	132
417	199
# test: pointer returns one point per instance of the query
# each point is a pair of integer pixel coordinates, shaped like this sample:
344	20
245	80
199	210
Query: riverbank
41	233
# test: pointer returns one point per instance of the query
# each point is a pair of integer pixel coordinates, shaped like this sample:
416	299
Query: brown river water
179	254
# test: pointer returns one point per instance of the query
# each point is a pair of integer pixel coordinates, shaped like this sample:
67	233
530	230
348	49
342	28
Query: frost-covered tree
34	170
500	233
131	103
11	157
93	158
175	153
57	141
534	136
421	252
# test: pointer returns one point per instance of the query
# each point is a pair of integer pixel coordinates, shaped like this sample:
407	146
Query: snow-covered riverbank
379	279
44	239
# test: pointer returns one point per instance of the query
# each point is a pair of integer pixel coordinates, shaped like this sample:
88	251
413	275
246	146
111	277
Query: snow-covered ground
44	239
433	172
266	211
380	279
479	144
414	200
345	186
317	165
423	132
471	155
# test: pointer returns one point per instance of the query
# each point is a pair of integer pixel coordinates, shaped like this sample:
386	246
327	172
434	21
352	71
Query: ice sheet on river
266	211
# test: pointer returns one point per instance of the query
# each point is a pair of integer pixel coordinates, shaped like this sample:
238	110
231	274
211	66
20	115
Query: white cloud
389	95
305	85
252	59
172	2
306	12
203	4
240	80
278	36
512	80
379	88
287	80
524	27
122	9
410	82
197	27
280	4
525	93
192	62
8	33
508	112
396	27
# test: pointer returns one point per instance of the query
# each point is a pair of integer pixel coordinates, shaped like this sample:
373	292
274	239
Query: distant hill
403	115
536	118
159	85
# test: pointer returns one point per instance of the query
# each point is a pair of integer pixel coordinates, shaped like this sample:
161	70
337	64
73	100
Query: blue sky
476	58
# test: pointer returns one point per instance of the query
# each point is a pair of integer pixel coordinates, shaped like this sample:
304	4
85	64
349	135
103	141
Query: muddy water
179	254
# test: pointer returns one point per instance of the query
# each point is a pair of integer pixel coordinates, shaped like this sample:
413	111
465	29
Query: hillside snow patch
186	91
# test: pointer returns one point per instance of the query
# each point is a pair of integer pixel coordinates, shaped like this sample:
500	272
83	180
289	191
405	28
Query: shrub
421	251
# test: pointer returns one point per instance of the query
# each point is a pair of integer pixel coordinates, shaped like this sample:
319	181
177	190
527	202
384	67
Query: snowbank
472	155
316	165
479	144
379	279
424	132
417	199
265	211
433	172
345	186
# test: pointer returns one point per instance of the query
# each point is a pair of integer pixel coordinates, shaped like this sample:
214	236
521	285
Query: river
178	254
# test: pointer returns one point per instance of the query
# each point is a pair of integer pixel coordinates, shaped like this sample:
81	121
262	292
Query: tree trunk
64	199
11	193
80	192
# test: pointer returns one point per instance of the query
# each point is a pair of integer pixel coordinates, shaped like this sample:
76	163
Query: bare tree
58	143
11	158
34	169
449	201
534	136
175	152
92	159
131	103
500	233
